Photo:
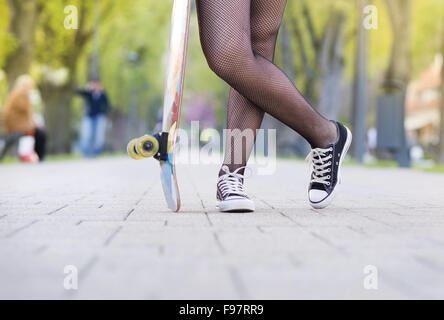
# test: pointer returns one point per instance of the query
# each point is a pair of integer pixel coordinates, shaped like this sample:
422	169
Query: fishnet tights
238	39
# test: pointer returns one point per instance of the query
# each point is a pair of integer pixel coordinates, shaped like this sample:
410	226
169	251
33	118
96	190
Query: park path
107	218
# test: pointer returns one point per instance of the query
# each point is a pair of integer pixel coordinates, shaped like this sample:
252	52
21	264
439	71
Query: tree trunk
325	73
287	54
400	17
309	71
58	115
440	157
23	24
287	140
57	97
332	67
360	88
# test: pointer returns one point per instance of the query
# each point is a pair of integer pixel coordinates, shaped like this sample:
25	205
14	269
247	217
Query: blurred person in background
19	118
92	131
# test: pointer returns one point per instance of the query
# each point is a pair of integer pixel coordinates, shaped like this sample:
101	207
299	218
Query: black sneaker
326	169
231	193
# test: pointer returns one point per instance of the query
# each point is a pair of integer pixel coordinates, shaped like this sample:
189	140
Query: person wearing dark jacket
92	135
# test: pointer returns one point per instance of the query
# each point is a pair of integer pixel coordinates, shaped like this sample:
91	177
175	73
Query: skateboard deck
163	145
172	106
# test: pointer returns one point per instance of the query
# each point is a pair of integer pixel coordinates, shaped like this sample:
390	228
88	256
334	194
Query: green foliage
141	27
144	27
199	77
433	169
55	44
7	43
5	46
428	32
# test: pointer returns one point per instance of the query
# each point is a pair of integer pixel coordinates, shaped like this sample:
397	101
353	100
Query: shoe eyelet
329	170
328	183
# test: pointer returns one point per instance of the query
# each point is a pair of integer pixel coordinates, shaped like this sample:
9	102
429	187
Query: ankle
232	168
329	136
334	133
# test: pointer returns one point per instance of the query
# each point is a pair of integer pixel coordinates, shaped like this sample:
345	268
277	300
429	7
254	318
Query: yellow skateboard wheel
131	150
147	146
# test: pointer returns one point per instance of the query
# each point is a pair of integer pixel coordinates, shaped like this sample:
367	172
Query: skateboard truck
162	138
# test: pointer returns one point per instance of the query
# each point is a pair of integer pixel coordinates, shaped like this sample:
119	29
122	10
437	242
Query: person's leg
226	39
225	35
99	136
40	143
86	132
242	114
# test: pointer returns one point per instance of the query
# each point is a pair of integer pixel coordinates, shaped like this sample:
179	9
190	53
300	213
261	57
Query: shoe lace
320	165
231	182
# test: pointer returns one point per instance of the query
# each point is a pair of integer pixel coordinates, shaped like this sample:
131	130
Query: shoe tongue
238	178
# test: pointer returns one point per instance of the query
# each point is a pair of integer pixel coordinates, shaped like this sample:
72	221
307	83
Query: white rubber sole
236	205
327	201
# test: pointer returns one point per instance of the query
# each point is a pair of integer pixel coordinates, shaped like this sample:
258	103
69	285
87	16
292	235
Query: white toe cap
317	195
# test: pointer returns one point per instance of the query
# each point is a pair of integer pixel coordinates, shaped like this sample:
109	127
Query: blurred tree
59	51
440	157
137	28
324	71
426	33
287	55
287	139
400	58
199	78
23	19
360	94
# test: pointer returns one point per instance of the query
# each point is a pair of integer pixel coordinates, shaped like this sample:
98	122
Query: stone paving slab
107	217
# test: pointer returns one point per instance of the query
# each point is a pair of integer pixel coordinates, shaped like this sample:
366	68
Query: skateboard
162	146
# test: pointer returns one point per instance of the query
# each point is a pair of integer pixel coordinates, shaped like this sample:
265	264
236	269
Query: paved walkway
108	219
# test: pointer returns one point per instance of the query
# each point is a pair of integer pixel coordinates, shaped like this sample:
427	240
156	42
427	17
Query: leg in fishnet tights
265	20
238	38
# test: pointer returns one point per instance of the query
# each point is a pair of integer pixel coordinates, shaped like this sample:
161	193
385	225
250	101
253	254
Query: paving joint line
208	219
112	236
328	242
128	214
57	210
82	274
14	232
219	243
238	283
